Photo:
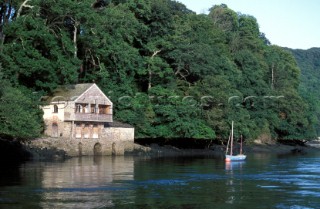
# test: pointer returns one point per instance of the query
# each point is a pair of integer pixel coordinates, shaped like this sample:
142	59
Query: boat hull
235	157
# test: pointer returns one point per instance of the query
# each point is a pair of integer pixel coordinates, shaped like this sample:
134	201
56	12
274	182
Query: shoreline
219	150
15	152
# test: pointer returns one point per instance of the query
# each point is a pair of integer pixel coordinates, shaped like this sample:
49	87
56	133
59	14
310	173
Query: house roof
117	124
68	92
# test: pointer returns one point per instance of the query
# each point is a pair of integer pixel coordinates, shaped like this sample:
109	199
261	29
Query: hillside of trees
170	72
309	63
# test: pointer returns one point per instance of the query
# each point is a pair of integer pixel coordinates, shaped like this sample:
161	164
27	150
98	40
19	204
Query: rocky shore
169	150
219	150
15	151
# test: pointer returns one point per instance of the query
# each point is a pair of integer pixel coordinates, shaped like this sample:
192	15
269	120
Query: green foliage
309	63
170	72
178	116
20	116
35	56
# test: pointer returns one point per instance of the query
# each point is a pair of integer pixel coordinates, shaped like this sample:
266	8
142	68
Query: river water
263	181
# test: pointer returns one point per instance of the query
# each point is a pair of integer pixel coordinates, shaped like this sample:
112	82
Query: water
263	181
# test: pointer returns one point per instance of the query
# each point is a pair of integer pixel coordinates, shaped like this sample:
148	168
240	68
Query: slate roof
67	92
117	124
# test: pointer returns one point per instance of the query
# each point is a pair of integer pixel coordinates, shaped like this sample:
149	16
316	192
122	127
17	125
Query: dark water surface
263	181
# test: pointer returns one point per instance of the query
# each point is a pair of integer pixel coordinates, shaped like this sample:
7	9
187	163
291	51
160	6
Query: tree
308	62
170	72
34	55
20	116
177	116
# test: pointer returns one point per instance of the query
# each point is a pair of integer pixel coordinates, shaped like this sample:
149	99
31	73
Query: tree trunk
5	12
150	70
272	76
75	32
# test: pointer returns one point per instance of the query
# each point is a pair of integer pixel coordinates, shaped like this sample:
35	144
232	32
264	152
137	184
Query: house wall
54	128
49	114
83	130
54	120
113	141
83	135
69	110
118	134
94	96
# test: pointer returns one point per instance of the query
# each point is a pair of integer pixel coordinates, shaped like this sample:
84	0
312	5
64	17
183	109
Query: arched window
55	108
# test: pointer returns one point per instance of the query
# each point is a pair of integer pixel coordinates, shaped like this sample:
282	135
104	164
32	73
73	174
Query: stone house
79	118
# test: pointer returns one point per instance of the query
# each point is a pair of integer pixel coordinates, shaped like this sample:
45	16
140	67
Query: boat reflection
234	165
234	182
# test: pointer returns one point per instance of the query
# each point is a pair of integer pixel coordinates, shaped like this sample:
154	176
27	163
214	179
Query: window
78	108
86	131
95	131
104	109
78	130
84	108
55	108
93	108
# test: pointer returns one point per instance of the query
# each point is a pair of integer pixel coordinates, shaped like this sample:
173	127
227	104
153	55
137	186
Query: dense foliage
20	116
170	72
309	63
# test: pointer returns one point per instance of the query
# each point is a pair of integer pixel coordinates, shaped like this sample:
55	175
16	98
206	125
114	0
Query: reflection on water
262	181
233	169
236	165
84	180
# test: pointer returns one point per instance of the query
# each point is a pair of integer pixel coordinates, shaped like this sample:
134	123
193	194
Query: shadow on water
10	176
12	155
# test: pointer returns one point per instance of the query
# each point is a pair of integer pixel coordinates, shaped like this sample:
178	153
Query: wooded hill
170	72
309	63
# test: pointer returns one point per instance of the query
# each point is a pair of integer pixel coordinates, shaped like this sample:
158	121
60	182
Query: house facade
77	112
79	120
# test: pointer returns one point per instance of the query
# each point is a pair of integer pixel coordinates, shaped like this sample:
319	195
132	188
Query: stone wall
59	131
113	141
118	134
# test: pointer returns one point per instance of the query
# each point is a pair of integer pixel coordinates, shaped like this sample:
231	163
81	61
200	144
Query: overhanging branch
24	4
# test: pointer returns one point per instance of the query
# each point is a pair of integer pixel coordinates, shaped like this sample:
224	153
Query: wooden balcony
88	117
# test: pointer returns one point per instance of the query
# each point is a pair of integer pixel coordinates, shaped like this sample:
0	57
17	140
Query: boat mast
228	145
241	144
231	141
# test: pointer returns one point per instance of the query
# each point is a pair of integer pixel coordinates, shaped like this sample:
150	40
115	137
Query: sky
288	23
